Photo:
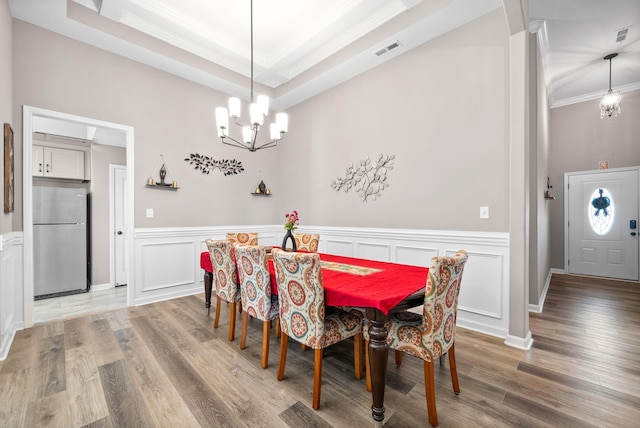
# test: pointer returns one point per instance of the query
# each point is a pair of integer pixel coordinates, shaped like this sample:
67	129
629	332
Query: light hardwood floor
164	365
70	306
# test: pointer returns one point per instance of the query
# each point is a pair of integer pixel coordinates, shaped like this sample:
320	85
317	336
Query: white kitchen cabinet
56	162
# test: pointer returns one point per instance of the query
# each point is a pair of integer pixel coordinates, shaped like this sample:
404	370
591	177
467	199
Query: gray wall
579	139
540	208
171	116
6	94
101	157
451	155
441	109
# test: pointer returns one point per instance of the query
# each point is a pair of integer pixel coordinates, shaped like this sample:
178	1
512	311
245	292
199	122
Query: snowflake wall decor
206	164
368	178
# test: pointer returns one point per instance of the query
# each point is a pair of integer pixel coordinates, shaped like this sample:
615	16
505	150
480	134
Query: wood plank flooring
72	305
164	365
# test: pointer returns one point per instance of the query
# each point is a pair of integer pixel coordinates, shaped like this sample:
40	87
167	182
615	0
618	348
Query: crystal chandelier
257	111
610	103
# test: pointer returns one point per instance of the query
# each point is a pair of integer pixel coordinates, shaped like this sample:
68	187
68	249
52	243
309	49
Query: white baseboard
100	287
523	343
538	308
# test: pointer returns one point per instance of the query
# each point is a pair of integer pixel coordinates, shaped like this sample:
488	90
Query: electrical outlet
484	212
149	212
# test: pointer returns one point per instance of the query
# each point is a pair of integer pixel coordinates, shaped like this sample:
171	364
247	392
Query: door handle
119	232
48	168
633	234
40	167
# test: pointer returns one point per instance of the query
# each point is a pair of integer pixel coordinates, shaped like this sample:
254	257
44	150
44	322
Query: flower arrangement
292	221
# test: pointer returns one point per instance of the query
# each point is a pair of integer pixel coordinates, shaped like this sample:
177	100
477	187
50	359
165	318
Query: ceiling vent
388	48
622	34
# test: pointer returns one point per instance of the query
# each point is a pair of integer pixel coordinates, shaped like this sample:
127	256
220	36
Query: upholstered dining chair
225	277
304	317
255	292
243	238
307	242
430	335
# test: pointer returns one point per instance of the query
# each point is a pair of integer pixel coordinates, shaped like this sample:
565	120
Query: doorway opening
106	133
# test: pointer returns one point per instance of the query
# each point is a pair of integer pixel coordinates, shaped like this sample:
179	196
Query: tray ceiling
302	48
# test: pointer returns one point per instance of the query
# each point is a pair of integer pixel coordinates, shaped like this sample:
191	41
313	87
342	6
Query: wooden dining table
380	288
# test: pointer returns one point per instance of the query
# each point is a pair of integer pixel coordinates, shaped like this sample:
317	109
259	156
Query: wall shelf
171	184
261	190
162	186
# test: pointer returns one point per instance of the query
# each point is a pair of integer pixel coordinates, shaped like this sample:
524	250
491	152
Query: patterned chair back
242	238
300	295
225	273
255	282
441	302
307	242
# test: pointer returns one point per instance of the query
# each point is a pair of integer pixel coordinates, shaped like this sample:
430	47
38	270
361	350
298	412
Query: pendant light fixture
610	103
258	109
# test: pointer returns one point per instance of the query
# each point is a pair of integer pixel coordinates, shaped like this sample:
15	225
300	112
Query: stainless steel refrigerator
59	241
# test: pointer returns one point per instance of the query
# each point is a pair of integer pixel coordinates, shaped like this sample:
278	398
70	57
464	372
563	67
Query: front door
602	227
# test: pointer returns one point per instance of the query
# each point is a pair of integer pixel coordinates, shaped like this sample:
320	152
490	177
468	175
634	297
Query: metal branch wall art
368	178
206	164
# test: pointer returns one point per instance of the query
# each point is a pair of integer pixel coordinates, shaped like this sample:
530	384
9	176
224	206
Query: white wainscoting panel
416	256
484	296
482	286
339	247
11	297
371	251
168	259
168	262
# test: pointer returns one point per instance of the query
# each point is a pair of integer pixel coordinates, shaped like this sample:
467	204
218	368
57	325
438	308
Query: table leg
378	356
208	284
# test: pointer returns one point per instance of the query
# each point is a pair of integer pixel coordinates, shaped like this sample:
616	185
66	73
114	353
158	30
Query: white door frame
112	223
28	114
566	204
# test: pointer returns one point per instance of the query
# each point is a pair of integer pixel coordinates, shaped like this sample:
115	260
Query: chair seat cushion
405	334
259	309
338	325
359	312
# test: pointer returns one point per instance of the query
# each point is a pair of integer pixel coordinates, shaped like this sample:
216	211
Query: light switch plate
484	212
149	212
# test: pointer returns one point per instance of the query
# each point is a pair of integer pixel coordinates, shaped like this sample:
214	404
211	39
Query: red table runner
380	285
